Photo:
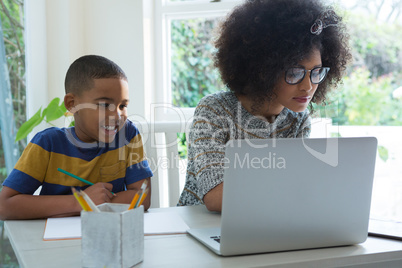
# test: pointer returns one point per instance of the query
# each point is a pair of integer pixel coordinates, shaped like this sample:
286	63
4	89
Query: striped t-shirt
120	162
219	118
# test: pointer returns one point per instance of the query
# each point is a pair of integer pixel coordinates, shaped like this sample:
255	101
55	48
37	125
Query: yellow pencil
81	200
89	201
134	201
142	198
137	195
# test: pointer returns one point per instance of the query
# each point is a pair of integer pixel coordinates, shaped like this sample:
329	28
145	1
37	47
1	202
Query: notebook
289	194
70	227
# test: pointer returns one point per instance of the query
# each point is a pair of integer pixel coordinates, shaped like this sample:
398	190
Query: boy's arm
125	197
17	206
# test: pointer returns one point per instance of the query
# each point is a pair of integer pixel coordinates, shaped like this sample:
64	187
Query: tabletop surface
182	250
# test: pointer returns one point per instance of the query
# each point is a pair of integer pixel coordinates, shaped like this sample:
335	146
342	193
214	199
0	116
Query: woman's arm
207	139
213	199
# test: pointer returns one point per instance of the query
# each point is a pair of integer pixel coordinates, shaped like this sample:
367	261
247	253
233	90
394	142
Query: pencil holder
113	237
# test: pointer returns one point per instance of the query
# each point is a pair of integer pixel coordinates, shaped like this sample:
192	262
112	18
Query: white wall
60	31
35	34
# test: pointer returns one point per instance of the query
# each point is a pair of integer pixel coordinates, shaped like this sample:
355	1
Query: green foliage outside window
12	18
193	73
365	98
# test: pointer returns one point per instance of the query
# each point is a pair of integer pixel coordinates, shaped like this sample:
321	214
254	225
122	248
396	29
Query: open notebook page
154	224
62	228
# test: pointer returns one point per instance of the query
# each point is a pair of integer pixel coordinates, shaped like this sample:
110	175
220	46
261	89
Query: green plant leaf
59	112
44	112
54	110
27	127
52	106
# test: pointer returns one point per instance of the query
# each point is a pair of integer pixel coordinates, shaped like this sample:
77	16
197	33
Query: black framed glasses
295	75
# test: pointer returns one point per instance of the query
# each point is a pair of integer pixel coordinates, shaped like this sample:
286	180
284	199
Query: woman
276	57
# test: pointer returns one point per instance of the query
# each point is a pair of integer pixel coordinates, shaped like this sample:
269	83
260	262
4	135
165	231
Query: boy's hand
100	192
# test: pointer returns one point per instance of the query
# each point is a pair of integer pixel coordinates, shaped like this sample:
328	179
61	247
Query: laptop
290	194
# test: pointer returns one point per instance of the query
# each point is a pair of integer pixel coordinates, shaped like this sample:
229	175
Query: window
183	41
183	46
192	72
13	76
368	103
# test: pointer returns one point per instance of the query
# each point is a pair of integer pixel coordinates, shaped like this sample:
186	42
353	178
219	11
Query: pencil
81	200
91	204
137	195
134	201
76	177
142	198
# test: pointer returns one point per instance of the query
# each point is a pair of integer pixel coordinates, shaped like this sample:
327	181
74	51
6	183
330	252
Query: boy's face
100	112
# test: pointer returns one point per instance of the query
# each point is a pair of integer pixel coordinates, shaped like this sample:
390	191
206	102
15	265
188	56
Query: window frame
165	12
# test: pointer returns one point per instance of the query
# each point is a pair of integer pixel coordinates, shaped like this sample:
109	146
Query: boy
103	147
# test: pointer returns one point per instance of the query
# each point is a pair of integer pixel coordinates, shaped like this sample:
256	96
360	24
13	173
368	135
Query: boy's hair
261	39
82	71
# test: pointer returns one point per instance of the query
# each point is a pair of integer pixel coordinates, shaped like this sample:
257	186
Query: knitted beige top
219	118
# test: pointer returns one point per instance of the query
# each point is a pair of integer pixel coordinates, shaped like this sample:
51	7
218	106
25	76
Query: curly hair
260	39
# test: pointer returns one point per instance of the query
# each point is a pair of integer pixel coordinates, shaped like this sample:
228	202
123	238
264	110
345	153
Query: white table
184	251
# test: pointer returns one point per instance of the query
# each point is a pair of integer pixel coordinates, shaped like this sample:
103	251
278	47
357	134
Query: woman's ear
69	102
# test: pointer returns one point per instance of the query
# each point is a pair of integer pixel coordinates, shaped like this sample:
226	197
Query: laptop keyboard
216	238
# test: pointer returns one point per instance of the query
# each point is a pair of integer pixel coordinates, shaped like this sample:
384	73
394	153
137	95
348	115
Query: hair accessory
327	18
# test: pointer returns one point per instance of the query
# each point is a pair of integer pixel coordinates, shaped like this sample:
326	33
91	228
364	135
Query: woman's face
297	97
